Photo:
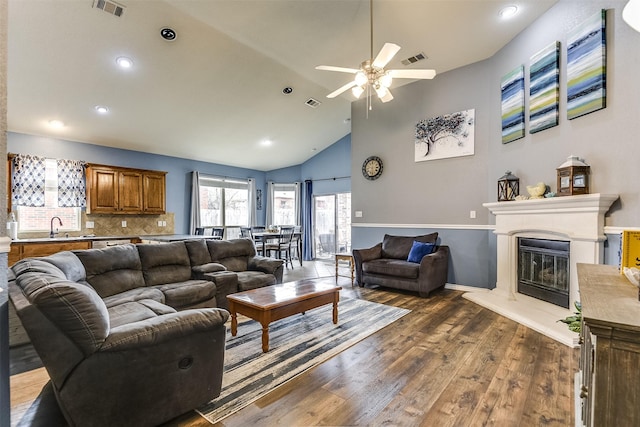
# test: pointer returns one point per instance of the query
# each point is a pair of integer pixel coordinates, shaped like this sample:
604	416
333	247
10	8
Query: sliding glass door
332	224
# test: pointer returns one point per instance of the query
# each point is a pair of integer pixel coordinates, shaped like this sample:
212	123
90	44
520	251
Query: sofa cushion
254	279
165	263
420	250
198	251
233	254
392	267
187	293
75	309
135	311
136	294
37	265
70	265
212	267
398	247
112	270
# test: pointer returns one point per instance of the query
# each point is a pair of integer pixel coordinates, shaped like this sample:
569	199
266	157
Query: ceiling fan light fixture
385	80
361	78
357	91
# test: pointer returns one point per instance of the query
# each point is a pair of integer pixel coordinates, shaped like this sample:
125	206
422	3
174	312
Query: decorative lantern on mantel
573	177
508	187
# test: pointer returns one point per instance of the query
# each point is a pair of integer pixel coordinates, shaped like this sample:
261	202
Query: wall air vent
313	103
414	59
110	7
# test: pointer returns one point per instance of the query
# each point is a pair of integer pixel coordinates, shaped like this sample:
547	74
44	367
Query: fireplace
573	224
543	270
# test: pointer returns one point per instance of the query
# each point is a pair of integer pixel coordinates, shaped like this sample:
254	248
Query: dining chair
296	240
217	232
283	246
199	231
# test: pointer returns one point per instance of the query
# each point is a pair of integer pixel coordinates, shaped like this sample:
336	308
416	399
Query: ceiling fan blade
412	74
387	53
388	97
339	69
342	89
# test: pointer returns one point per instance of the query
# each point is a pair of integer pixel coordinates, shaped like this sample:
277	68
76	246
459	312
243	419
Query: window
284	204
37	219
224	202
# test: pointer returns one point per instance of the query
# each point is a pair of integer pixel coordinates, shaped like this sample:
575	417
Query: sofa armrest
267	265
434	269
163	328
363	255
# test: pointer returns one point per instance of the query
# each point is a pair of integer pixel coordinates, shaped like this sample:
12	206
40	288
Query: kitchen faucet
52	234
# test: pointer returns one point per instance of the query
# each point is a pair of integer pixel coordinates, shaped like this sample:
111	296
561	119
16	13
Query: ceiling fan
372	76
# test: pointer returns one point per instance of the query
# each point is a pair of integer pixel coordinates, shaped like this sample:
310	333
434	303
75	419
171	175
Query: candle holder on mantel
508	187
573	177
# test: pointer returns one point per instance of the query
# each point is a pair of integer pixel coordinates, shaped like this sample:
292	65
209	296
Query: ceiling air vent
313	103
414	59
110	7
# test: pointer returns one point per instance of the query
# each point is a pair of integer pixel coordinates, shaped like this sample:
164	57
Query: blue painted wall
332	162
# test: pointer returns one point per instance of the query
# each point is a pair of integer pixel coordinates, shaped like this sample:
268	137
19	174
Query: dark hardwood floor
449	362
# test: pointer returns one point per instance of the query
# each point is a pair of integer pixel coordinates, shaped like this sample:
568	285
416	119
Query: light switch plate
124	224
358	214
88	224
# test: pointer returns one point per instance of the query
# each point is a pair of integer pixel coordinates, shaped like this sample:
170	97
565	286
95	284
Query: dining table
263	236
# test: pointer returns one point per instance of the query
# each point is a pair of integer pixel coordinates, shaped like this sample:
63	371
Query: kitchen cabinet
115	190
154	192
610	348
19	251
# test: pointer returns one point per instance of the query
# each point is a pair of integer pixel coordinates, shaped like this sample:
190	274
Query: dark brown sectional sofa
130	335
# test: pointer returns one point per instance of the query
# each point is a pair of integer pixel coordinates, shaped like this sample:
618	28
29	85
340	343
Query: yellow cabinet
114	190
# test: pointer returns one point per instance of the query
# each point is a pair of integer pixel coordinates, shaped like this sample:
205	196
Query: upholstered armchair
138	363
389	264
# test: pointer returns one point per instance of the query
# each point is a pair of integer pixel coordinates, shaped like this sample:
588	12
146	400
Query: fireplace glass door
543	270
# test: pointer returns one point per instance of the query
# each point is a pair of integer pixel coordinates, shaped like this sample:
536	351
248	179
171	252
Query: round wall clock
372	168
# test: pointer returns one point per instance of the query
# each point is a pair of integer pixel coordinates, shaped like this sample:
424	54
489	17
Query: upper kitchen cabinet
116	190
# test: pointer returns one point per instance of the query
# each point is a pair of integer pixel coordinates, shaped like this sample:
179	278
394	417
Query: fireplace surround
578	220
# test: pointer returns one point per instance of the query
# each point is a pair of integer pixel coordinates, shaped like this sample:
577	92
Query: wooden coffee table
276	302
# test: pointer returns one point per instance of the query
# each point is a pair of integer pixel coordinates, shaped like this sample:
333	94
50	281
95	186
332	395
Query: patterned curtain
72	191
28	180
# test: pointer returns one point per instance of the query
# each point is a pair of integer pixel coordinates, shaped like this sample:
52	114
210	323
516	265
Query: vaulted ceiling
215	92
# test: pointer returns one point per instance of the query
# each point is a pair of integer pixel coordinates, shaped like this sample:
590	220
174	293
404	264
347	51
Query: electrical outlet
472	214
88	224
164	223
124	224
358	214
159	223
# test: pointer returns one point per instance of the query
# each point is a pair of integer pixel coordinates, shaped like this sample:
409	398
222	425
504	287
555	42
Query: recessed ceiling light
124	62
508	12
101	109
267	142
56	124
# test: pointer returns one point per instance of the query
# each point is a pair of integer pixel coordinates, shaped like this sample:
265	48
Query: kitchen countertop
155	237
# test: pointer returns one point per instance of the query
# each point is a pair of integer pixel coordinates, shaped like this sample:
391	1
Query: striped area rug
296	344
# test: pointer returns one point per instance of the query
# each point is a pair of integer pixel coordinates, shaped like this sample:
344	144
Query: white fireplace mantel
577	219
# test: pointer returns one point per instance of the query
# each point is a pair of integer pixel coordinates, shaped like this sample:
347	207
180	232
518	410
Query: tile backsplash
111	225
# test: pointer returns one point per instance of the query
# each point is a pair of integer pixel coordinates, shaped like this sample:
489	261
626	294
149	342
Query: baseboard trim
465	288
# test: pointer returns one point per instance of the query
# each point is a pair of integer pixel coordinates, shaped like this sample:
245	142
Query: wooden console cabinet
610	348
116	190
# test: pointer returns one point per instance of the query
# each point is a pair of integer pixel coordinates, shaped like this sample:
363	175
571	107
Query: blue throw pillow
419	250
